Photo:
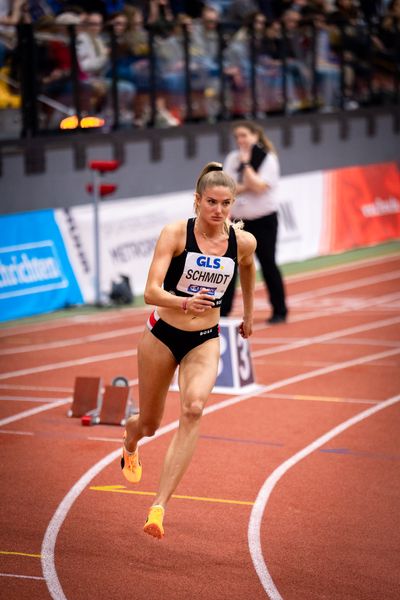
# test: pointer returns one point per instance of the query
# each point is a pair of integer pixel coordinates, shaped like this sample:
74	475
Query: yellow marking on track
318	398
20	554
121	489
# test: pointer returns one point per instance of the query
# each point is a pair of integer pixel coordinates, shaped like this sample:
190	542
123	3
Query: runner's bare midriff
188	321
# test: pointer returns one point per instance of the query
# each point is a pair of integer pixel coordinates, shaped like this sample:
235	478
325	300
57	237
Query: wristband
184	305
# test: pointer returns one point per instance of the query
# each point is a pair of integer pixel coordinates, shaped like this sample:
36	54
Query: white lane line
349	285
33	411
352	266
315	363
97	337
69	363
322	272
50	537
258	509
328	303
255	341
21	576
326	337
322	313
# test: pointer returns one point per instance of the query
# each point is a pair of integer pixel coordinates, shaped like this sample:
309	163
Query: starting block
235	370
116	405
87	396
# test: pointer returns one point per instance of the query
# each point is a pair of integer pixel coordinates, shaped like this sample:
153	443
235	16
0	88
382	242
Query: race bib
202	271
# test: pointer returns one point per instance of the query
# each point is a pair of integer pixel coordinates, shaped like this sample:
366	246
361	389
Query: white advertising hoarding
301	216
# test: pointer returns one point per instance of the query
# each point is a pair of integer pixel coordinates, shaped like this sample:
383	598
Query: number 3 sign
235	373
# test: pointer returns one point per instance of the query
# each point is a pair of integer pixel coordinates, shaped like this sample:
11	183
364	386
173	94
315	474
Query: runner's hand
246	328
200	302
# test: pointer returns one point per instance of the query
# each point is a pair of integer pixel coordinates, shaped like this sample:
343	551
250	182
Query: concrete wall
52	173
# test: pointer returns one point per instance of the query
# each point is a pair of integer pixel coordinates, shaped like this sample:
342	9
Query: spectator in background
205	48
254	165
270	9
371	9
268	49
326	65
387	54
92	6
351	38
295	51
55	77
170	62
240	11
136	64
239	61
39	9
113	6
205	36
192	8
391	16
160	16
172	68
299	6
12	12
134	67
119	24
93	57
273	51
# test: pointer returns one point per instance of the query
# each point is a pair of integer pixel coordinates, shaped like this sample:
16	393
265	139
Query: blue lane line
241	441
363	453
341	451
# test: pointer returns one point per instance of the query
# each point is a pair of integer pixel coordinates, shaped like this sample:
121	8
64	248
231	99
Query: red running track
293	491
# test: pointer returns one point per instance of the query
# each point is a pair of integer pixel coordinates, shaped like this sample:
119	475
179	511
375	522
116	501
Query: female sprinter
193	263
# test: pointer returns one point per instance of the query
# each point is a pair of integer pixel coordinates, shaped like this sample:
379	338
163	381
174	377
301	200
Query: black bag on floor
121	292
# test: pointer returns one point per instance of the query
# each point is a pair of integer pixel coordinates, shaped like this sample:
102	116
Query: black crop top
192	270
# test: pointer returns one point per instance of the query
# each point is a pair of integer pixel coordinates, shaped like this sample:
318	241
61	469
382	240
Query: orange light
86	122
69	123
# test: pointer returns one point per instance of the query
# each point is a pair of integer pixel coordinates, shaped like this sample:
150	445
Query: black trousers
265	230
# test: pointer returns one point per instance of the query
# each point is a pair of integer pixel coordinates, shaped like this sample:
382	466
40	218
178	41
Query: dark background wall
53	172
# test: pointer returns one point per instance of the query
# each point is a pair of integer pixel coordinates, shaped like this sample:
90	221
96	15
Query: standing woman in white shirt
254	165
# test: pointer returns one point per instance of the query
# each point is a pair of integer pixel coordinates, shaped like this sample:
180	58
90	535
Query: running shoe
154	523
131	465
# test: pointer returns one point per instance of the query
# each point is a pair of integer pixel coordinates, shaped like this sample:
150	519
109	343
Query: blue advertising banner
35	272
